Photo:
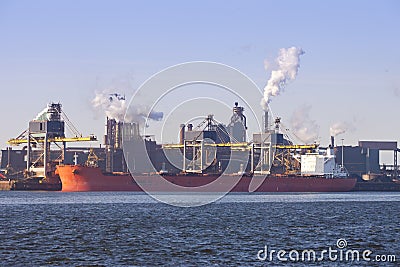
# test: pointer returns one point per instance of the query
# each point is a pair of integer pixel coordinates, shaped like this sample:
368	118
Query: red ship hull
76	178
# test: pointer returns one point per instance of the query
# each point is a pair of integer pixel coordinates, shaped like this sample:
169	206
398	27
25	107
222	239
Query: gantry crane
46	129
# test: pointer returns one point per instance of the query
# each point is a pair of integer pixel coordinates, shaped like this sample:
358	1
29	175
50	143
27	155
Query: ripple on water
145	233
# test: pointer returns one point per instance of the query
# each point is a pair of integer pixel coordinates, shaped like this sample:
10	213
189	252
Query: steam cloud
288	65
302	126
115	107
339	128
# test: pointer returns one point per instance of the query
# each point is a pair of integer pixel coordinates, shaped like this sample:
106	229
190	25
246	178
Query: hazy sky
67	50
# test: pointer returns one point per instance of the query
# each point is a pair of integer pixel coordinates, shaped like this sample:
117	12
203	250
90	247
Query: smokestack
182	134
190	127
266	122
106	132
332	141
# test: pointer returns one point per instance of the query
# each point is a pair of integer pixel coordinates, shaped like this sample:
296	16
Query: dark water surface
131	229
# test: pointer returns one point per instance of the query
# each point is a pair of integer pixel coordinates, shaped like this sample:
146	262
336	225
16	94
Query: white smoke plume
267	64
288	65
115	106
303	127
339	128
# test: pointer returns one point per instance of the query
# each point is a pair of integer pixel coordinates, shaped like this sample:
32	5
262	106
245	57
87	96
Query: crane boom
91	138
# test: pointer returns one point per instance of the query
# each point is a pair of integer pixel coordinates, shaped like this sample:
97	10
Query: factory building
364	160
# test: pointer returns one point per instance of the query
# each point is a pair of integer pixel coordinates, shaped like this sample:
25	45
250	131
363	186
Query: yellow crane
18	141
312	146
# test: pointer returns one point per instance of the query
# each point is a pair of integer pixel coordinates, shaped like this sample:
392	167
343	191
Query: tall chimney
266	121
332	141
182	134
106	133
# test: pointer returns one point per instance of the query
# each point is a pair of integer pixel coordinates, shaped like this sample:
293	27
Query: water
132	229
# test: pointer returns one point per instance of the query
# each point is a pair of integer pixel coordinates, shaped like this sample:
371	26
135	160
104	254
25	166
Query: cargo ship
214	158
77	178
269	162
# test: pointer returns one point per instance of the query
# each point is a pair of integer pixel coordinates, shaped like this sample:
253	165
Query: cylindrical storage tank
181	134
118	134
136	129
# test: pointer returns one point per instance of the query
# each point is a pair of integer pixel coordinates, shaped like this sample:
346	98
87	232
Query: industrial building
210	147
364	160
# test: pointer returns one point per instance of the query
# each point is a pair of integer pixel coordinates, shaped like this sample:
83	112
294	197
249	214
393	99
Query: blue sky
66	50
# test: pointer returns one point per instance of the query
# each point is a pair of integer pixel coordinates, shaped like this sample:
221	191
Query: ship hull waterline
76	178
